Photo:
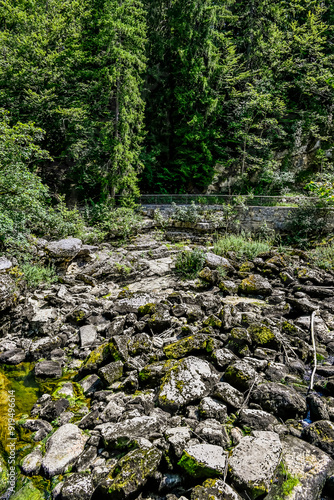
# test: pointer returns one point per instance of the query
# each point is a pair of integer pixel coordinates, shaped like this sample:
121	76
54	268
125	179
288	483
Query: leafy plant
189	263
323	256
309	220
120	222
35	274
186	213
242	245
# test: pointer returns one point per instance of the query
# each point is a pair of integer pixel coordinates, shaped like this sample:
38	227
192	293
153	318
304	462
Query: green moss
261	334
149	308
28	492
4	478
96	358
195	468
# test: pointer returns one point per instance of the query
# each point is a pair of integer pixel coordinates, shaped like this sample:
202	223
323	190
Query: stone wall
251	220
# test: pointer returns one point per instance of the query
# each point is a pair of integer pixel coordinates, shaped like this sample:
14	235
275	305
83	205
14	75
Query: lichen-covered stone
240	374
321	434
111	372
230	395
194	344
262	335
130	474
97	358
4	478
152	374
303	472
255	284
203	460
31	463
189	380
78	487
214	489
254	461
48	369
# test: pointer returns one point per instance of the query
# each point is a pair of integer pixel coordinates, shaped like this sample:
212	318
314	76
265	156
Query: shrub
242	245
114	222
189	263
323	256
309	220
34	274
188	213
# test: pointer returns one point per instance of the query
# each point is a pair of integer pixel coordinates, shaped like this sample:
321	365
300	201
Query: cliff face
144	386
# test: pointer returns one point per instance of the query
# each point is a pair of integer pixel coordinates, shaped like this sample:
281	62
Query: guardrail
215	199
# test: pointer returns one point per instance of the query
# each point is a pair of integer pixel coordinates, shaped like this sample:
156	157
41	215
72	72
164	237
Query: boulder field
149	387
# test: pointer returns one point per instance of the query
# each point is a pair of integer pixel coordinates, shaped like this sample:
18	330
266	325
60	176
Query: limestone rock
78	487
213	261
255	284
204	460
48	369
7	291
240	374
130	474
321	434
63	448
228	394
111	372
88	335
32	463
283	401
5	264
214	489
189	380
254	461
66	249
305	471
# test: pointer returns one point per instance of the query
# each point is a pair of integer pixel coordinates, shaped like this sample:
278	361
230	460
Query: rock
213	432
48	369
189	380
41	319
195	344
63	448
214	489
116	326
160	321
212	408
65	249
54	409
111	372
203	460
223	357
321	434
254	461
31	463
122	433
240	374
7	291
130	474
228	394
87	335
5	264
13	357
283	401
304	472
91	384
78	487
257	420
40	427
28	492
213	261
317	407
255	284
262	336
178	437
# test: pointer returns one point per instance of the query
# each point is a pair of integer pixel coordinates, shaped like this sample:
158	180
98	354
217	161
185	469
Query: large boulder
303	473
65	249
283	401
214	261
63	448
254	462
189	380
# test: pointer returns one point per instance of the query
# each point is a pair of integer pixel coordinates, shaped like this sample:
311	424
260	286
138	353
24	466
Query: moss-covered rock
149	308
213	321
4	477
96	359
203	460
240	374
28	492
261	335
214	489
188	345
130	474
152	374
255	284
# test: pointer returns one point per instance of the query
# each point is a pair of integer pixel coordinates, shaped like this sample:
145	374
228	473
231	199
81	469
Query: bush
242	245
189	263
188	213
34	274
309	220
114	222
323	256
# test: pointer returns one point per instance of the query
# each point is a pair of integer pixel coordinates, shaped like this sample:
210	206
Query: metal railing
215	199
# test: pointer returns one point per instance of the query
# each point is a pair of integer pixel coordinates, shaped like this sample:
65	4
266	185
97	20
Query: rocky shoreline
150	387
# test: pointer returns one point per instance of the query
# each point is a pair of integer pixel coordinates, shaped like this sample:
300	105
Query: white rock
87	335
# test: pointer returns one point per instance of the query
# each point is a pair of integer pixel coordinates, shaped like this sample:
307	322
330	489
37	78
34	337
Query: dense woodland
153	94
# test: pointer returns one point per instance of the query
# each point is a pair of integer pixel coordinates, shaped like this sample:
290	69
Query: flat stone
63	448
189	380
13	357
88	335
91	384
254	461
67	248
306	466
204	460
255	284
48	369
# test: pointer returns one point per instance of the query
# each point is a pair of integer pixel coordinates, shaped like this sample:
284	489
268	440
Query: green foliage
35	274
111	222
189	263
308	221
242	245
185	213
323	256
